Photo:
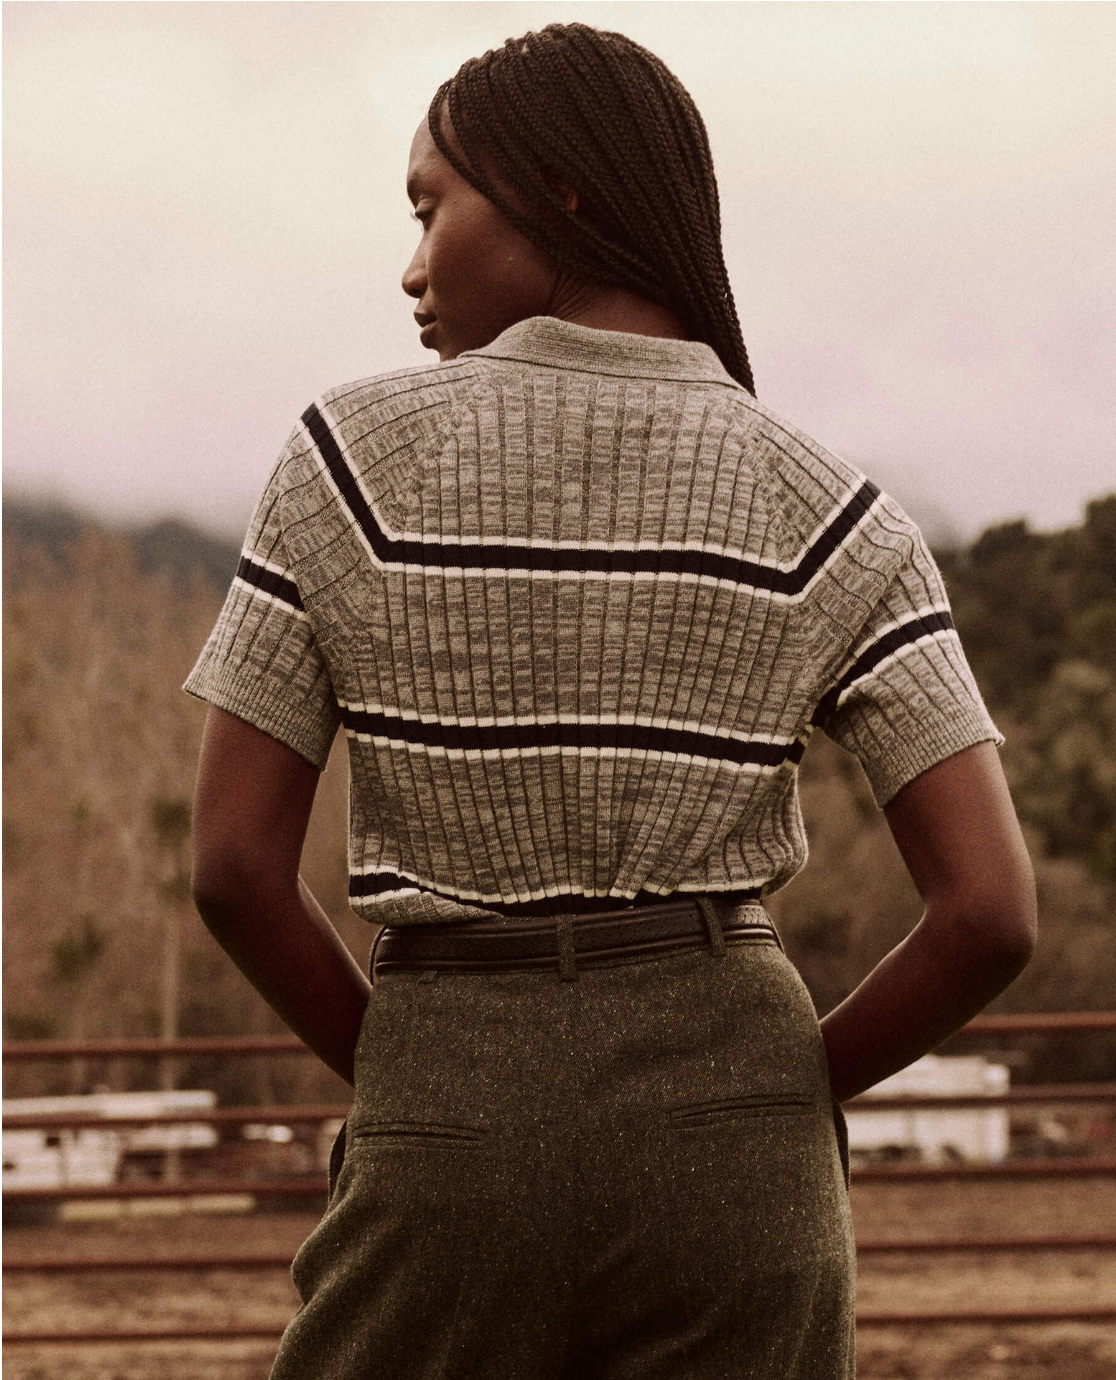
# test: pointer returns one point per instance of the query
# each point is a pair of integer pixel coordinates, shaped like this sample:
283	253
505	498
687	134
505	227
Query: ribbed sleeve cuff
268	708
901	758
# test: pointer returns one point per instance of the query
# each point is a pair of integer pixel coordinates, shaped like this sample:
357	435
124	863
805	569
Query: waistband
565	941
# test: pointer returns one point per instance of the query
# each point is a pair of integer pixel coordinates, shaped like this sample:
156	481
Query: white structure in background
91	1157
935	1133
328	1132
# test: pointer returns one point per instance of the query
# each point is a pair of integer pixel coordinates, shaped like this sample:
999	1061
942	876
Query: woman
579	601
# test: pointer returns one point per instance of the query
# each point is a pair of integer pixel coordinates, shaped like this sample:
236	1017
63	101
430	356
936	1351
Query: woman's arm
251	808
957	831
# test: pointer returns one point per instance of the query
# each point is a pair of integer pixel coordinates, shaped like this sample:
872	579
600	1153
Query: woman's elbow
998	924
223	882
1018	913
212	886
1013	940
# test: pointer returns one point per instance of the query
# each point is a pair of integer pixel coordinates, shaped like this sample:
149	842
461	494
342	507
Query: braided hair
594	111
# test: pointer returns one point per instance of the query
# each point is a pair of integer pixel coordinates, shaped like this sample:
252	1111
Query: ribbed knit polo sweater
578	601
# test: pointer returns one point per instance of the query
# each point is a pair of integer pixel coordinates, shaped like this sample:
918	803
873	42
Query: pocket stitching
722	1110
429	1131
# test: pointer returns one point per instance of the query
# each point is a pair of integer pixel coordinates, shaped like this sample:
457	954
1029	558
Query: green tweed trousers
634	1175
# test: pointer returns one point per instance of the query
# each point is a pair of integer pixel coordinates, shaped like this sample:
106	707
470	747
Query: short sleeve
262	662
906	698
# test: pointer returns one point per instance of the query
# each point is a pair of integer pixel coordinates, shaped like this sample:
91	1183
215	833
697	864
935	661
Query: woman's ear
562	190
568	195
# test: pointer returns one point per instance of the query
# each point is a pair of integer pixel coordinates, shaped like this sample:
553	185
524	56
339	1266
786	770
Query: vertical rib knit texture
579	601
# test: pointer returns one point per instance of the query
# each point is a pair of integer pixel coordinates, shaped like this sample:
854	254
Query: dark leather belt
488	946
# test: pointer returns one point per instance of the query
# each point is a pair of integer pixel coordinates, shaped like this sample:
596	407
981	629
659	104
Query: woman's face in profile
473	274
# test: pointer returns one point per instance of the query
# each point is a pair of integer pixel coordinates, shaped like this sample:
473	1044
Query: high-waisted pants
630	1176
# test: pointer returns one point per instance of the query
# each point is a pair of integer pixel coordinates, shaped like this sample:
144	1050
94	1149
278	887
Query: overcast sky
205	226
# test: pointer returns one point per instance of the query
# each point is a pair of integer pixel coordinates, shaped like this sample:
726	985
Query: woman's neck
606	308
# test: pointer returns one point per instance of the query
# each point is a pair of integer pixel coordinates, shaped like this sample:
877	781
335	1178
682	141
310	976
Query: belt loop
567	962
713	925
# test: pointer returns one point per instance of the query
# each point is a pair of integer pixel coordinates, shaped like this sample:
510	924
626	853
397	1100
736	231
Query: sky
205	227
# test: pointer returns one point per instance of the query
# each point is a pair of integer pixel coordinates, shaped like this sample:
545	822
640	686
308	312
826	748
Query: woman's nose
414	275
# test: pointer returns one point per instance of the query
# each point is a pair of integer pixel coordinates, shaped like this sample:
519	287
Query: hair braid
601	114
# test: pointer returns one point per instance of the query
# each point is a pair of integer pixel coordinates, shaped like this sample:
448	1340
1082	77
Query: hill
165	547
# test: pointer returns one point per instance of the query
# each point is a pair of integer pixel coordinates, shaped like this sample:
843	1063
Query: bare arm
251	808
957	832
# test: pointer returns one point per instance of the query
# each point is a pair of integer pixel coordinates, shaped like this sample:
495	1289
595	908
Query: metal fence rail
66	1264
281	1260
228	1332
1038	1023
214	1116
882	1318
147	1049
314	1186
1103	1241
296	1186
864	1318
296	1114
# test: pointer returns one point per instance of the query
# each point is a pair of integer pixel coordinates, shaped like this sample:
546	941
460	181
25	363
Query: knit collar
559	344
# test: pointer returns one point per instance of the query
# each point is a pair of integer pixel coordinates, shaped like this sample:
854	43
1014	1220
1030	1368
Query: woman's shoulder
839	529
414	382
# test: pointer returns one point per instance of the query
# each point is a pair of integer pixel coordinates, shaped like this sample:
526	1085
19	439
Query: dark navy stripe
267	580
872	656
444	555
517	737
363	885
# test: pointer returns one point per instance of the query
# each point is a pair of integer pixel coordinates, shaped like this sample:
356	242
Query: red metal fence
313	1186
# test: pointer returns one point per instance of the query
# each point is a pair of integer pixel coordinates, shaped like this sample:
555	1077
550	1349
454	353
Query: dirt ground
887	1281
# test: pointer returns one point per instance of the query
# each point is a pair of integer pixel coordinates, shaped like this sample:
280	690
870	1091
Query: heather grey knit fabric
578	601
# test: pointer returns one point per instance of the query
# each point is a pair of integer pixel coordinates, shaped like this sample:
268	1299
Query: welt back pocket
726	1110
426	1133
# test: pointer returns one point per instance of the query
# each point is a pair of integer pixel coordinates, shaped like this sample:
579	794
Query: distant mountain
49	525
176	548
167	547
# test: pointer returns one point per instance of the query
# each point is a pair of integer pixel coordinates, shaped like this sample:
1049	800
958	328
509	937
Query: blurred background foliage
1037	613
100	744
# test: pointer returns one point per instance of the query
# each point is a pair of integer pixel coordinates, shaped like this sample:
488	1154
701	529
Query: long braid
597	112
